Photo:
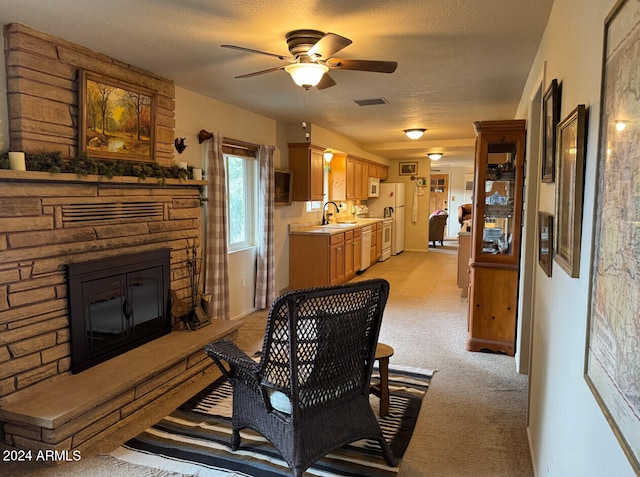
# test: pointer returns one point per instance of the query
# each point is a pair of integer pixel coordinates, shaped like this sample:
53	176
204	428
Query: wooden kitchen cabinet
307	163
316	260
495	239
349	271
337	259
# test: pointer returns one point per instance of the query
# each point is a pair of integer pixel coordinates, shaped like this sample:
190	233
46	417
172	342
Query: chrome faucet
325	221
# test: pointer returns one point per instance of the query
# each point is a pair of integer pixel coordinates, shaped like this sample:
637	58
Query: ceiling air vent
370	102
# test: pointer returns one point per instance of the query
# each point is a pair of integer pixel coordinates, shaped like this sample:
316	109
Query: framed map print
612	364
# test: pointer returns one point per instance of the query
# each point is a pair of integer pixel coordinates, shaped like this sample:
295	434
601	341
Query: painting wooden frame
550	118
408	168
545	242
570	161
612	369
117	119
283	187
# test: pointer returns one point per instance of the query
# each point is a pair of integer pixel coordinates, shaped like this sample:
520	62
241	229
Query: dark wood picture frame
408	168
611	356
283	187
550	118
570	161
545	242
117	119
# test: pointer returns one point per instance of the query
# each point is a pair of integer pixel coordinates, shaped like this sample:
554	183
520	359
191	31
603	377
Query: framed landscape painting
117	119
545	242
550	118
612	364
408	168
570	162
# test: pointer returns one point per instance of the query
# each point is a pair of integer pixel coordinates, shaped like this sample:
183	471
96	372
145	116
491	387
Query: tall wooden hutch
495	248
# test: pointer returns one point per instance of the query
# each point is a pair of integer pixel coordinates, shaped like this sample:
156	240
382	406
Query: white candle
182	165
16	161
197	174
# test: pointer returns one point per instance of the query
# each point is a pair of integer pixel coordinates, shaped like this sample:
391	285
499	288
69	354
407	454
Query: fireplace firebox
117	304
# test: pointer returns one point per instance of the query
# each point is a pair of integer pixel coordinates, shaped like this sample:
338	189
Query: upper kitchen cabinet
307	163
349	179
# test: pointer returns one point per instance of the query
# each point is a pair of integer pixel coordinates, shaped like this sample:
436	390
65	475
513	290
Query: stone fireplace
52	222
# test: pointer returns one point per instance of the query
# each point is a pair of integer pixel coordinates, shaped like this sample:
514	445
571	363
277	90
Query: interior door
439	199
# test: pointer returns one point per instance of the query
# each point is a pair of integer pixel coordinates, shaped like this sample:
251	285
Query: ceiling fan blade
328	45
256	73
251	50
326	82
362	65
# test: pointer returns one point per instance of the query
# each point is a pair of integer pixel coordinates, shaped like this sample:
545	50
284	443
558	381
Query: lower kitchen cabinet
316	260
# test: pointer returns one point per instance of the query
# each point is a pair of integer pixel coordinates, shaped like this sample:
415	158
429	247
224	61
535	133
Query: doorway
439	198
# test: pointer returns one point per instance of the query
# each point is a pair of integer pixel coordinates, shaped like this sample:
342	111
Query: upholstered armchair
437	224
465	212
309	392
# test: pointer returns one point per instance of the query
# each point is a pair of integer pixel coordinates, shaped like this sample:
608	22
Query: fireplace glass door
116	309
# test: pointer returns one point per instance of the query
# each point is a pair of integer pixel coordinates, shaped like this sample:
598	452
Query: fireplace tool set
190	312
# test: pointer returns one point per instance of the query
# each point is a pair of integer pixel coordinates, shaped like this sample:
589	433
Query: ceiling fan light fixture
306	75
435	156
414	133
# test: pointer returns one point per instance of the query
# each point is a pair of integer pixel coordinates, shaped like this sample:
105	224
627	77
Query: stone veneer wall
50	220
42	92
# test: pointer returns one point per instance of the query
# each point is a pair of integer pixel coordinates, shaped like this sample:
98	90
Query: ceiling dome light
306	75
435	156
620	125
414	133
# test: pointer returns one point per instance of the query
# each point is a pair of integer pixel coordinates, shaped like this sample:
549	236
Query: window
241	198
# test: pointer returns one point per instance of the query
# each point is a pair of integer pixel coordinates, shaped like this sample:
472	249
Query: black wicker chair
309	393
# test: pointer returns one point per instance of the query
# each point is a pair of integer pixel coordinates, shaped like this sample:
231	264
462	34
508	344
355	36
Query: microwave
374	187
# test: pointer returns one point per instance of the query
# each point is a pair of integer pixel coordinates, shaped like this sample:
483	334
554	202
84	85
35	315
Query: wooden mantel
37	176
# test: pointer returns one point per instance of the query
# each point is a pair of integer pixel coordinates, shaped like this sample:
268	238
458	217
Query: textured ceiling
458	60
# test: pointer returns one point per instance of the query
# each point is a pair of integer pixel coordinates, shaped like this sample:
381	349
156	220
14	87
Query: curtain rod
227	141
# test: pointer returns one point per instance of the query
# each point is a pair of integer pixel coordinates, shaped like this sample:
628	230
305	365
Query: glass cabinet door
499	199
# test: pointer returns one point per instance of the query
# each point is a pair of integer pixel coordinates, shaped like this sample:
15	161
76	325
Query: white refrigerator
392	201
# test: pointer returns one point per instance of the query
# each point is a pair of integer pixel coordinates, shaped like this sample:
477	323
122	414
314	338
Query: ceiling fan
312	57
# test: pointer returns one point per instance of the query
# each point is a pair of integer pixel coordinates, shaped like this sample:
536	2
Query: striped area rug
194	439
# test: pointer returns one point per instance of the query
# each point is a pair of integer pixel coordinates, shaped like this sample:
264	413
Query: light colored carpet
472	421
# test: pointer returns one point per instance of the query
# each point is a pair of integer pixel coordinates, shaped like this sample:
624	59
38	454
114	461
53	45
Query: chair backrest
465	212
437	223
320	343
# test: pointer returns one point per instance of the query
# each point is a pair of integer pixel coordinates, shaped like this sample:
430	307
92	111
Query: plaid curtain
217	266
265	272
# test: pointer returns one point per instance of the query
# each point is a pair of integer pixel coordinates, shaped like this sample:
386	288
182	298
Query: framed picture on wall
612	367
569	189
550	118
408	168
117	119
283	187
545	242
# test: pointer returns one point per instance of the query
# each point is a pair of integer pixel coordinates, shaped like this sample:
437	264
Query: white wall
569	434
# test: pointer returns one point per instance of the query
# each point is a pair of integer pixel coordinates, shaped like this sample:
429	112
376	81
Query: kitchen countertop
331	229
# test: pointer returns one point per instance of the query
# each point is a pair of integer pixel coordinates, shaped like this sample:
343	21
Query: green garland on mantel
54	163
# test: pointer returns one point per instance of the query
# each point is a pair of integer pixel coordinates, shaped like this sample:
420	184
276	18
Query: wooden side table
383	353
